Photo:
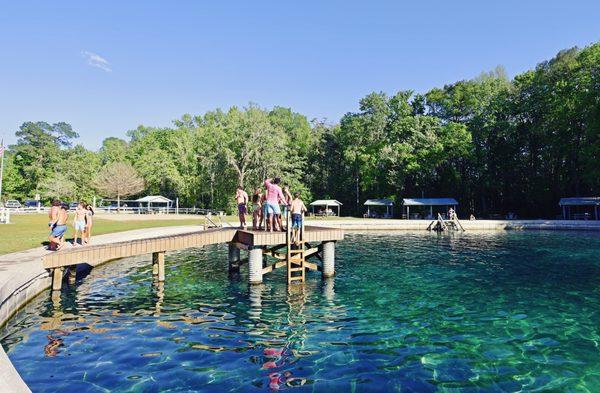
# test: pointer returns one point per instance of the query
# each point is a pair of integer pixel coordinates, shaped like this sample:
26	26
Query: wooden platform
95	254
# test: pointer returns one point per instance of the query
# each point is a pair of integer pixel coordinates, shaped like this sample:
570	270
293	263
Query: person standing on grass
257	209
79	223
59	228
274	196
53	216
241	197
89	215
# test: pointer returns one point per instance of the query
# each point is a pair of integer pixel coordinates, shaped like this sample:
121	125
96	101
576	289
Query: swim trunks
272	208
79	225
296	220
59	230
242	208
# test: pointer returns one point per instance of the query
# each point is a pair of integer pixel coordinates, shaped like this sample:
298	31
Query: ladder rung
296	269
296	260
297	278
296	251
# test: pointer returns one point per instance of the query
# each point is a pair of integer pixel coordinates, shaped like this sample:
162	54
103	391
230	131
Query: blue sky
108	67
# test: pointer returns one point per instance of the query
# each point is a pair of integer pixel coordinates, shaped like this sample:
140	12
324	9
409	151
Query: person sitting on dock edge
241	197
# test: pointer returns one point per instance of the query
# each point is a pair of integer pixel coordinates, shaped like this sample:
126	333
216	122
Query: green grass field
31	230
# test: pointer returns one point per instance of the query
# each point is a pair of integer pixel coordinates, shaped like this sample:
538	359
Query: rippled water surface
500	311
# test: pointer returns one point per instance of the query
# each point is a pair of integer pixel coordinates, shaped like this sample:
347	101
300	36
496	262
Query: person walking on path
53	216
79	223
89	222
59	228
257	209
241	197
274	196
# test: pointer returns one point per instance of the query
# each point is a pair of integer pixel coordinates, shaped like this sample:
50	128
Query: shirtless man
52	216
59	227
79	223
241	197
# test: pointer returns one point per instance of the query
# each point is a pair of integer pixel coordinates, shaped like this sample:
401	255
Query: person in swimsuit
274	197
60	227
284	208
89	214
53	216
297	208
79	223
256	209
241	197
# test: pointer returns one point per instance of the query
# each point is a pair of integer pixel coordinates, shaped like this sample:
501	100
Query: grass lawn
31	230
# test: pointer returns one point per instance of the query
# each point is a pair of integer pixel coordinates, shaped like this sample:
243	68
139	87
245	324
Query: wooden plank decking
95	254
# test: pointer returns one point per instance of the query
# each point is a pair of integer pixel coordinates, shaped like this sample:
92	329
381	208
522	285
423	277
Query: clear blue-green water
498	311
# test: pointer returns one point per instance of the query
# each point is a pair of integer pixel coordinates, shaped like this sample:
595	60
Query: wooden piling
158	265
57	277
234	258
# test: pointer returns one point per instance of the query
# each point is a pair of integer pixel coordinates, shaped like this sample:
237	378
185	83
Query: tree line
494	144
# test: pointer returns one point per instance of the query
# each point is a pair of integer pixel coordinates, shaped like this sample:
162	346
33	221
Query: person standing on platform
79	223
241	197
297	208
257	209
274	196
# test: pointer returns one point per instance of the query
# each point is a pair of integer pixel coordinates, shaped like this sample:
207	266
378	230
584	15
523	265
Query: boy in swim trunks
52	216
79	222
241	197
297	208
59	227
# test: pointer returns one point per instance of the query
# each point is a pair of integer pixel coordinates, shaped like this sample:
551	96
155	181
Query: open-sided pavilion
388	204
327	203
428	202
585	207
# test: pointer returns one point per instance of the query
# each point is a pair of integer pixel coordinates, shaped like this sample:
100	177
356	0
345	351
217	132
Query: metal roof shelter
154	199
327	203
448	202
380	202
567	203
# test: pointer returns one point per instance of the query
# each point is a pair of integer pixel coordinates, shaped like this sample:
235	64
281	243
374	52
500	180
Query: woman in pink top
274	196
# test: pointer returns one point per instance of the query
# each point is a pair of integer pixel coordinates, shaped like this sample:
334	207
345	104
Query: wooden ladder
295	256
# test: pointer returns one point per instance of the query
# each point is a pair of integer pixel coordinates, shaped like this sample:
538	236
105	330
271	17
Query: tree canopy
495	144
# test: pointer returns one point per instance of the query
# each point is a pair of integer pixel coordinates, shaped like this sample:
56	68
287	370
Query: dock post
57	277
255	265
72	274
234	258
328	253
158	265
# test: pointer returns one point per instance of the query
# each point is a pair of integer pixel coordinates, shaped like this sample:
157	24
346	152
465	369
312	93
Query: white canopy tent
388	203
156	200
327	203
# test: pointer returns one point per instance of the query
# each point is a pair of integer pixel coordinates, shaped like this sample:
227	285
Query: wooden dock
266	251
